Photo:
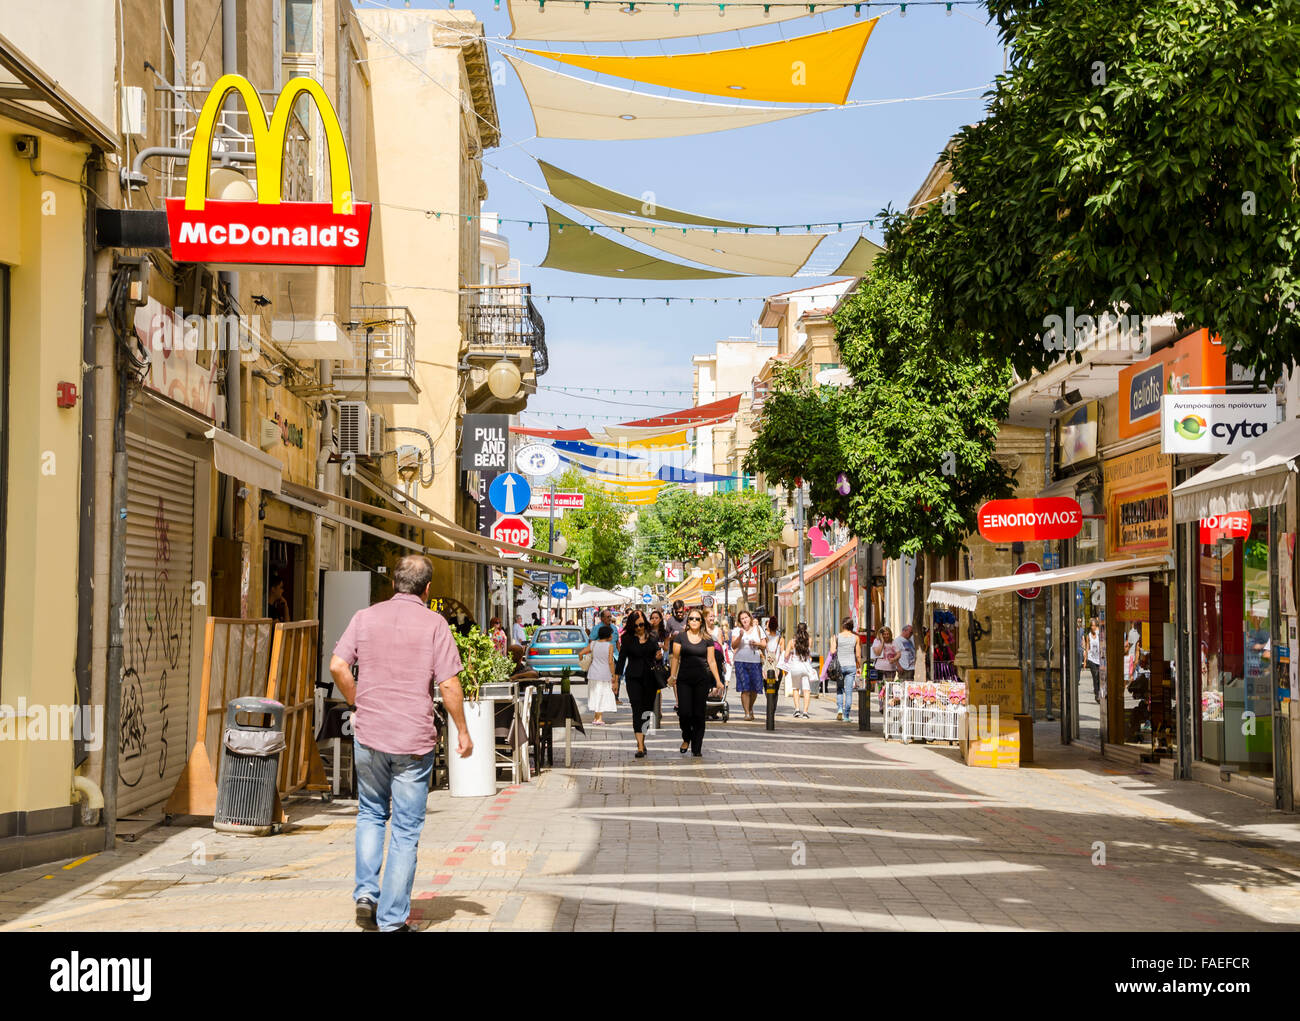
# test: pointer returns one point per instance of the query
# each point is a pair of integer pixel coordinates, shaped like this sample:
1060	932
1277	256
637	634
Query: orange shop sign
268	231
1194	362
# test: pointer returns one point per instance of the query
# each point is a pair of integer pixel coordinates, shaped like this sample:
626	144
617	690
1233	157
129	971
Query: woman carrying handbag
638	653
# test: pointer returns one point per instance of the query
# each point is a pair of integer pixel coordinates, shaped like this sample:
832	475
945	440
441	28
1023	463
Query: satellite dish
834	377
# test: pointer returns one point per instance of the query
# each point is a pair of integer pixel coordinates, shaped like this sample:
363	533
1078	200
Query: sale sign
1056	517
1225	526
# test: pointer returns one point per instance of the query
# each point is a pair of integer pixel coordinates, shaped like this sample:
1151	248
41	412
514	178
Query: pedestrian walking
773	646
748	644
906	653
886	656
845	649
694	666
676	621
802	671
400	649
1092	650
518	635
602	676
637	655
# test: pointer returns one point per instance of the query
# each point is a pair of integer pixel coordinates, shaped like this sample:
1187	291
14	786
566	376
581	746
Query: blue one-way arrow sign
559	590
510	493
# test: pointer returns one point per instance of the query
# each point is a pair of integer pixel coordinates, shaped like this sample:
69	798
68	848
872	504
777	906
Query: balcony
382	367
232	144
503	322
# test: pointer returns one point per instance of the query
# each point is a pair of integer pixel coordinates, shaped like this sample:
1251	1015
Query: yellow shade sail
584	194
817	68
568	107
574	248
764	255
565	20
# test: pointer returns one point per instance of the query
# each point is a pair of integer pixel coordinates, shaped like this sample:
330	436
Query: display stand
924	710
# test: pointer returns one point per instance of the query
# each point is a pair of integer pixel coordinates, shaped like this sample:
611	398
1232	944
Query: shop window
1234	660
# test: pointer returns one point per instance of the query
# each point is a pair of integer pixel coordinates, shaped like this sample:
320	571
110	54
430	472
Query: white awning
1067	486
1253	476
232	456
964	595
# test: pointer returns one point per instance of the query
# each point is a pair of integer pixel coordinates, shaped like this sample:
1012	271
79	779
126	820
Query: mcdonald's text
288	233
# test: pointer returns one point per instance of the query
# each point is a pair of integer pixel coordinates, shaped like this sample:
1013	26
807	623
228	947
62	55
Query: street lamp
504	380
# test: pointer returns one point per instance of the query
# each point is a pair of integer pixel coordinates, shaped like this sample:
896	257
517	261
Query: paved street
815	826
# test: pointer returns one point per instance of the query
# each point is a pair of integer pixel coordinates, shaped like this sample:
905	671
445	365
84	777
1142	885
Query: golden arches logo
268	140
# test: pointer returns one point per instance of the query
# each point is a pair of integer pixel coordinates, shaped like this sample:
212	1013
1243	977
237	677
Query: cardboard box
1000	687
990	739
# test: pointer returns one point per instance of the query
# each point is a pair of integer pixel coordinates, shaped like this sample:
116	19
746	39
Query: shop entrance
1141	696
1234	666
1087	659
283	580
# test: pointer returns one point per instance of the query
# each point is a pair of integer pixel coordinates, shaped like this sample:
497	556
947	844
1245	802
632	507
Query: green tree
597	534
913	436
1138	156
738	523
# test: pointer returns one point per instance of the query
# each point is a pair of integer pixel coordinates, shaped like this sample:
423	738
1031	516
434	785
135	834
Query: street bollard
771	688
864	704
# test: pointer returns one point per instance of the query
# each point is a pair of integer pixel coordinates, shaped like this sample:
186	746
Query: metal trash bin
250	760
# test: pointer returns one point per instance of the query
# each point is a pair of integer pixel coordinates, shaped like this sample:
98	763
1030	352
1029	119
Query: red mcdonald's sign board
268	231
1056	517
1225	526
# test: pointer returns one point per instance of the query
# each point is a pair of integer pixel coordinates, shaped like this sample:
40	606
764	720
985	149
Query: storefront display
924	710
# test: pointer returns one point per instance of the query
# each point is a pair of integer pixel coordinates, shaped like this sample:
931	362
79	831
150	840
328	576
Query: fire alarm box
67	395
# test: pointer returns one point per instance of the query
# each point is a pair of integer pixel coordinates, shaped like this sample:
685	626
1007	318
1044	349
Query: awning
1067	486
860	258
584	194
1252	476
964	595
813	571
232	456
584	251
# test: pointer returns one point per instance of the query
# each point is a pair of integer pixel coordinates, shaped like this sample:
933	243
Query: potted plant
482	668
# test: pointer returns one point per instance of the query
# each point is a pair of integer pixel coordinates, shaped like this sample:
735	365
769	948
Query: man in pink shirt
401	649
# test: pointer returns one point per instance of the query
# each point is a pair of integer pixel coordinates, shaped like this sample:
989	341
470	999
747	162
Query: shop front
1242	683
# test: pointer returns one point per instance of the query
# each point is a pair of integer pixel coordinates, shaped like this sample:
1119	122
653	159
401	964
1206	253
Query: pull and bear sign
268	231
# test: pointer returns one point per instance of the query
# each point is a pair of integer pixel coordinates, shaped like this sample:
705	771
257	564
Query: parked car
554	648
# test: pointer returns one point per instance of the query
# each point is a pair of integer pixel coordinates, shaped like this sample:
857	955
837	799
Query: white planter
475	776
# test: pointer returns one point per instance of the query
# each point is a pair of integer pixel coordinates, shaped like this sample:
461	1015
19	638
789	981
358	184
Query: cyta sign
484	443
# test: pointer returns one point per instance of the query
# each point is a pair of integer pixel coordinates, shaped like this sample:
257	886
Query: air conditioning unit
354	428
378	434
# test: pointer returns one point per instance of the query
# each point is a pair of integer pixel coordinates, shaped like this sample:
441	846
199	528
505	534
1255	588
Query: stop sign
1028	567
513	529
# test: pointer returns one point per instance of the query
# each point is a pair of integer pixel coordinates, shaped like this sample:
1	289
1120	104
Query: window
299	26
824	366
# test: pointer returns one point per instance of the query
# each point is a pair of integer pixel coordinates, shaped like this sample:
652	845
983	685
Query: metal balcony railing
383	339
502	317
178	111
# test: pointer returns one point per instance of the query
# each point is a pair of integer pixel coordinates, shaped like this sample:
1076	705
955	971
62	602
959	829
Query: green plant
480	662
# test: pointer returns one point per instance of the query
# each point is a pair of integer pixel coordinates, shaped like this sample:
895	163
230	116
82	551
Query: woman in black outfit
636	659
694	662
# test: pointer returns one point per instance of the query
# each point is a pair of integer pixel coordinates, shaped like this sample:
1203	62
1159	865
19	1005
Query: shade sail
692	418
765	255
562	20
591	450
964	595
671	474
858	262
232	456
569	107
584	194
817	68
1253	476
552	434
577	250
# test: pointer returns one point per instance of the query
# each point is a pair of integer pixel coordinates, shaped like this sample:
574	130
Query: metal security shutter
153	739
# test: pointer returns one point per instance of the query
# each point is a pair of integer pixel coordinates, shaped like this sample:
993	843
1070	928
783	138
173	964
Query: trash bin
250	758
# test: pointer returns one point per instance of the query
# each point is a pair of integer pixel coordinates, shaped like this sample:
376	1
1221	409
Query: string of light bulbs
631	299
631	6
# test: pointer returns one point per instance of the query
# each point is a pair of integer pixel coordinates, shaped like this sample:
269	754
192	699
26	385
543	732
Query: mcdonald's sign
268	231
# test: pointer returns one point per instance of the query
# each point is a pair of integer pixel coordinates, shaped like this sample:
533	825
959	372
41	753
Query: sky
845	164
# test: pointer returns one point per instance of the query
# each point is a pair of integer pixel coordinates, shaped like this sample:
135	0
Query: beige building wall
431	117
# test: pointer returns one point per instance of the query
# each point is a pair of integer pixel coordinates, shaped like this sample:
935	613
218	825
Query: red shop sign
1056	517
1225	526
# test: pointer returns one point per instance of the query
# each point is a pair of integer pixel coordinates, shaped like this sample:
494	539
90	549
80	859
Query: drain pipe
234	388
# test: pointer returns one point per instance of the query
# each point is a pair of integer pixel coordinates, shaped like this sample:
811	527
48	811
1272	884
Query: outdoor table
562	708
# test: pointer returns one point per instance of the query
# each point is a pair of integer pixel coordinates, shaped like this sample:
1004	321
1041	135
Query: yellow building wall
42	242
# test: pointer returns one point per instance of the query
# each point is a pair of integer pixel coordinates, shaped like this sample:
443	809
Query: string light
839	225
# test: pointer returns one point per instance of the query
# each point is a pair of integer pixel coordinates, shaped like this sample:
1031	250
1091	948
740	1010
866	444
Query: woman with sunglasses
636	660
694	665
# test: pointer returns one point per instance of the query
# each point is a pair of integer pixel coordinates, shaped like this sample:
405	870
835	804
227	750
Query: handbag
584	660
660	674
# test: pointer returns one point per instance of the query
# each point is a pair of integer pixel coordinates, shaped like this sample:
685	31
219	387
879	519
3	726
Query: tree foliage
913	436
691	526
1137	155
597	534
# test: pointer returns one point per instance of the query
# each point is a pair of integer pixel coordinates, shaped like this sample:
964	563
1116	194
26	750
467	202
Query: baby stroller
717	705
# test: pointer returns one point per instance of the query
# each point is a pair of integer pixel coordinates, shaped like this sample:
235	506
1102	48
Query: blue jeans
844	699
403	782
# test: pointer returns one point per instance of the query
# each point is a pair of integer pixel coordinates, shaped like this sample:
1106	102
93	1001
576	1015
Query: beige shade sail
562	20
764	255
858	262
817	68
585	194
578	250
569	107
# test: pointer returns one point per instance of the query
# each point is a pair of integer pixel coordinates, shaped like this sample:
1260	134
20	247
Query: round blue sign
559	590
510	493
646	597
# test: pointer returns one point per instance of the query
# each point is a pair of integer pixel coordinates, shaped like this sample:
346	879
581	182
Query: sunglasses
697	620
